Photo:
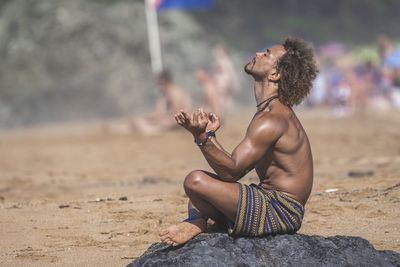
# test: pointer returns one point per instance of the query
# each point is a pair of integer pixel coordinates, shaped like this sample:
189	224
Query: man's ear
274	75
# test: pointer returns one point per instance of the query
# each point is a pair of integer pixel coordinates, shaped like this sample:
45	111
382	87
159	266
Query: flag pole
154	37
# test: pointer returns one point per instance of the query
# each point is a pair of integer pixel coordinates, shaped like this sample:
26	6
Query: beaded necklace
267	101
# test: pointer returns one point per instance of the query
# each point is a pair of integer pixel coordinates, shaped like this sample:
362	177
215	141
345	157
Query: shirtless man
275	144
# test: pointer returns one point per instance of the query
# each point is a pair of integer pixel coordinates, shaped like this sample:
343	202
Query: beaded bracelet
208	134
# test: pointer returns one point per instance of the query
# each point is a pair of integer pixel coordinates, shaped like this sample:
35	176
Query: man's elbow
230	174
233	176
238	173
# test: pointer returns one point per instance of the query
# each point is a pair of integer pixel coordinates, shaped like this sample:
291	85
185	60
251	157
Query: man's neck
264	89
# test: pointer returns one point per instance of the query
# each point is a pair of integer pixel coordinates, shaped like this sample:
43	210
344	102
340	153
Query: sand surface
73	195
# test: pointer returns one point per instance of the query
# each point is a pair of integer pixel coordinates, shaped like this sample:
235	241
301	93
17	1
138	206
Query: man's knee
194	180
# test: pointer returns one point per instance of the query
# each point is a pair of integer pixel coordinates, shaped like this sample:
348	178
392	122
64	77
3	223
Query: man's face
264	62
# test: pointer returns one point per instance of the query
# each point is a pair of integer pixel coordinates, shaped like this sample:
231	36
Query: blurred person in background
370	77
224	76
173	98
218	87
340	90
214	97
390	69
391	85
361	79
385	47
331	85
319	91
395	92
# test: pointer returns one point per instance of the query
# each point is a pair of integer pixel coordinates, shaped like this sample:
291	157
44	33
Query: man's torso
287	165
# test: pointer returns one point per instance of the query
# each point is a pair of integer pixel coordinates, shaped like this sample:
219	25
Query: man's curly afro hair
297	68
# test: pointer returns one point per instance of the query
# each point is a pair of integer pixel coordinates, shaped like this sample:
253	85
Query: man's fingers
211	116
181	118
178	119
215	117
185	115
203	114
184	118
196	116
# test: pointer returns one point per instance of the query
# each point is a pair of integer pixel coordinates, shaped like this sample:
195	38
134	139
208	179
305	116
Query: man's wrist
211	134
198	137
202	138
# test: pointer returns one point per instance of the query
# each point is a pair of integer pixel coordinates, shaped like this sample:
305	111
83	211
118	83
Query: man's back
287	166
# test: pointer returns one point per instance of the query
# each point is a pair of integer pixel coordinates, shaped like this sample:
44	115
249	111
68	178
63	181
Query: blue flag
162	5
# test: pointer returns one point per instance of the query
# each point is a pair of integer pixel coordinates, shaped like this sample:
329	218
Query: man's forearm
220	160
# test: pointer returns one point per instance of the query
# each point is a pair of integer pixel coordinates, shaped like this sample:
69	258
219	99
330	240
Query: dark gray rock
281	250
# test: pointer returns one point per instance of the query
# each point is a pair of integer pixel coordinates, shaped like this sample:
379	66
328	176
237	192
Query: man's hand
213	122
196	123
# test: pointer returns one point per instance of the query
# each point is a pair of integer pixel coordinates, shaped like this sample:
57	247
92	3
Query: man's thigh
222	195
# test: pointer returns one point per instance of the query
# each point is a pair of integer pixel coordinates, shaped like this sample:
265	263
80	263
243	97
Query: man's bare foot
182	232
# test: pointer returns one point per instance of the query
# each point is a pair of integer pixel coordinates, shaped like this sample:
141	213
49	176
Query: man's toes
163	232
164	237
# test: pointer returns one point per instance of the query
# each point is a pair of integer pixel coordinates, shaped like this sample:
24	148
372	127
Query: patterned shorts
263	212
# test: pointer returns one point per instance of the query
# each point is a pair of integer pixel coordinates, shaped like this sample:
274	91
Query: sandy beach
73	195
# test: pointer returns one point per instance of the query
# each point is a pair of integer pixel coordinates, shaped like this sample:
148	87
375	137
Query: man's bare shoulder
268	124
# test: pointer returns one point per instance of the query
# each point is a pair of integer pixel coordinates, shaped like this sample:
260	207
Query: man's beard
248	71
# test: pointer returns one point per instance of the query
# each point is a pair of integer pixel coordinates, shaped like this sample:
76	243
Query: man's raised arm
261	134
